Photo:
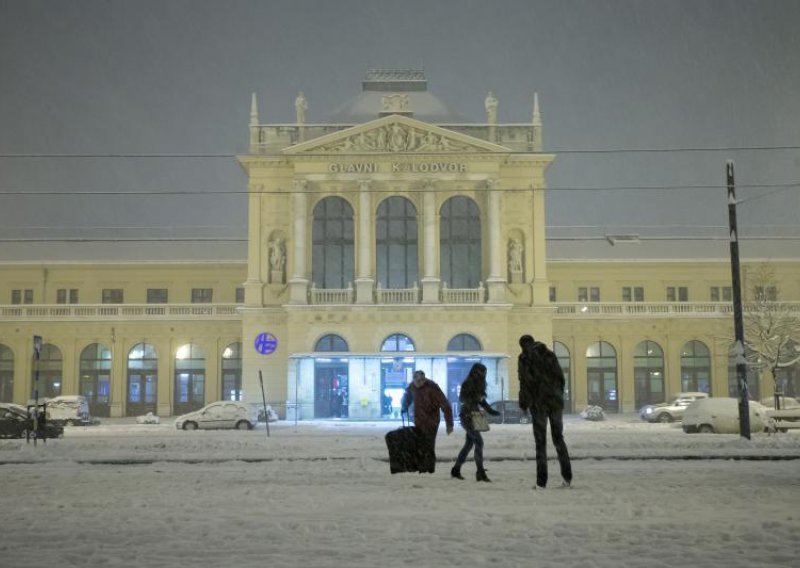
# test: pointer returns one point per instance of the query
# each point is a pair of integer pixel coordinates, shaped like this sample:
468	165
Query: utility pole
738	317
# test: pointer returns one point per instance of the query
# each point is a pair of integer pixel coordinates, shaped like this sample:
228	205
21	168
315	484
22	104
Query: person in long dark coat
428	399
472	396
541	391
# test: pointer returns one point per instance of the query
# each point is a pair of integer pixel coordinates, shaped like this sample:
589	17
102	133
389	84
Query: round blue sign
266	343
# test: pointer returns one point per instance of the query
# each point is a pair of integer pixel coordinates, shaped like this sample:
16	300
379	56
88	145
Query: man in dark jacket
428	399
541	391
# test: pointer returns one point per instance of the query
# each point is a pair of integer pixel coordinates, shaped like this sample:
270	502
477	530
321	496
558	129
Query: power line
655	150
778	186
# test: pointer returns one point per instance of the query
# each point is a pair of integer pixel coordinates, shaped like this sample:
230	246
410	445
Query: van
721	416
67	409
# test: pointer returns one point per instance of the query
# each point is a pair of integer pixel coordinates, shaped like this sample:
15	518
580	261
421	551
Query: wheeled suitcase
402	445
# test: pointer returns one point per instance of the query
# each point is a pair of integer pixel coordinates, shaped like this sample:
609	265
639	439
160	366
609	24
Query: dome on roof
394	91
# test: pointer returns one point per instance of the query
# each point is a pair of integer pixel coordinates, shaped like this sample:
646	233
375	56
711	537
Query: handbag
479	421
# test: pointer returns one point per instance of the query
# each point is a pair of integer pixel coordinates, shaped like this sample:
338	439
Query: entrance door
603	389
189	391
331	394
141	394
649	386
96	387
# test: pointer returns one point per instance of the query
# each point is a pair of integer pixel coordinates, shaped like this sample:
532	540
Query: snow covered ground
320	494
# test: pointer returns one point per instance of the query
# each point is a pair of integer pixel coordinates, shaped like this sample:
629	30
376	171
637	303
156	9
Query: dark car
15	423
510	413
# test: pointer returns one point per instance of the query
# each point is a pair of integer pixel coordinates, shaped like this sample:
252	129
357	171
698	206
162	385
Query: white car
672	410
224	414
721	416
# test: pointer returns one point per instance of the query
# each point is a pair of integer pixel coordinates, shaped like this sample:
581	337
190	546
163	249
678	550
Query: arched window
464	342
398	342
6	374
50	371
460	243
332	244
95	378
232	372
142	380
331	342
601	376
648	373
190	379
562	354
695	367
396	373
396	243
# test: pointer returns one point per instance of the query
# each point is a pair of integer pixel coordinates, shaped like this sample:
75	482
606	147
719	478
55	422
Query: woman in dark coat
472	396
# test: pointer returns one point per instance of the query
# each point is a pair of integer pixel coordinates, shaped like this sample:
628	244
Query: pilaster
430	280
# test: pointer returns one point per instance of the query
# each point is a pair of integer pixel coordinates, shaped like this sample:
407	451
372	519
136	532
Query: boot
480	475
456	472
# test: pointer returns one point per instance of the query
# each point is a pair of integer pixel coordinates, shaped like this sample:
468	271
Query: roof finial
253	110
537	118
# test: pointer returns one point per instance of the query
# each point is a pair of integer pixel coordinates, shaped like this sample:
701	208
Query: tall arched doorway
695	367
396	372
6	374
601	376
648	373
51	372
331	383
232	372
458	366
190	379
142	380
95	378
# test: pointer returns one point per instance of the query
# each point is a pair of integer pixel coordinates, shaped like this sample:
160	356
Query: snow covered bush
148	418
594	413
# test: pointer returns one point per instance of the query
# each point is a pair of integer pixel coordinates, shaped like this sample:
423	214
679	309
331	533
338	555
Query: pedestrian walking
472	396
541	391
427	399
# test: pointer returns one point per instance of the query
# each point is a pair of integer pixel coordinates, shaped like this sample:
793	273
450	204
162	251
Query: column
298	285
430	278
495	283
253	285
364	277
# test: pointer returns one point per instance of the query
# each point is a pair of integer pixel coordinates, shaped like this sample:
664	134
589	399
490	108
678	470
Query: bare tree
772	327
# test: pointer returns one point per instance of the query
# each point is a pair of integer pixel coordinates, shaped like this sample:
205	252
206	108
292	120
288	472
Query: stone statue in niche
515	249
277	260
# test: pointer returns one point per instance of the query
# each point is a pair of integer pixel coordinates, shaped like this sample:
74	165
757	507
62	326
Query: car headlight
648	410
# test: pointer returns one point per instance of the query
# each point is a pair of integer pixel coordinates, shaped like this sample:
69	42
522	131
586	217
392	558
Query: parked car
510	413
672	410
721	416
224	414
15	422
787	402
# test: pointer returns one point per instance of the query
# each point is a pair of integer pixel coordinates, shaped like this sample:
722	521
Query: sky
319	494
165	78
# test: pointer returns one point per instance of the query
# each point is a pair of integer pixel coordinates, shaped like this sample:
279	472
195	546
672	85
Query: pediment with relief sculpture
393	134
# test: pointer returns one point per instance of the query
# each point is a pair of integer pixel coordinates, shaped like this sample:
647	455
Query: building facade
394	237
